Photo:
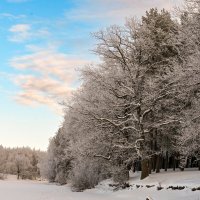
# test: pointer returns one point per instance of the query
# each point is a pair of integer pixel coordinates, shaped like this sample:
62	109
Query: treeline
139	107
23	162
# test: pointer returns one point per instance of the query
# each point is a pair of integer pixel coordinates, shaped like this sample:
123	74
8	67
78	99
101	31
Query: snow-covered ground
12	189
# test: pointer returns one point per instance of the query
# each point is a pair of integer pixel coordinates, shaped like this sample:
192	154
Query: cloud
49	63
115	11
48	85
11	16
33	98
49	77
24	32
20	32
19	28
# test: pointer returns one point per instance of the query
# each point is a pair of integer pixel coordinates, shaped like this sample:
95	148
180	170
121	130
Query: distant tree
21	163
50	171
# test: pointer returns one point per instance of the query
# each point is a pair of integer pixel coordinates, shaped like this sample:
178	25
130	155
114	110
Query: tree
136	104
139	72
21	163
189	139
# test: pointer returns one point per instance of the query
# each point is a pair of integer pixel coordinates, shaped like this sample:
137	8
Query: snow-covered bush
2	176
85	175
61	177
120	174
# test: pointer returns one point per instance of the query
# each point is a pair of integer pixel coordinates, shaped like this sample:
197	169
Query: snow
189	177
13	189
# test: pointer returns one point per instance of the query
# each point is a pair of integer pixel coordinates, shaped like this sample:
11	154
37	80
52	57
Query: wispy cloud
49	63
49	77
20	28
11	16
20	32
115	10
24	32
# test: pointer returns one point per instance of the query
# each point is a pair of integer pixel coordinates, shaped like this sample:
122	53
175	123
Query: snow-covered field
12	189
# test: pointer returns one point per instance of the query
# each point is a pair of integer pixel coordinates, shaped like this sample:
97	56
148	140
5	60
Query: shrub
26	175
85	175
61	178
2	176
120	175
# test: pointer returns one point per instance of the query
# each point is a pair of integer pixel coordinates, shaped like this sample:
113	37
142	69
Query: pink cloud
49	77
115	11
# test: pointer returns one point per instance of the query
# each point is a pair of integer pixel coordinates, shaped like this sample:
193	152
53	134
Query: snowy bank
32	190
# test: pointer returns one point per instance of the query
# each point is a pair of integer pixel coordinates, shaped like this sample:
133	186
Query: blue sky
43	42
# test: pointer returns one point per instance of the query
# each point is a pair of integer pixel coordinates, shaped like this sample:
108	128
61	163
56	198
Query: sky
43	43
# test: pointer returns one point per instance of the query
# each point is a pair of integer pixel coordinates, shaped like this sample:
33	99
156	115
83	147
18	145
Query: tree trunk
150	165
158	164
154	163
174	163
166	161
161	162
145	168
18	172
182	162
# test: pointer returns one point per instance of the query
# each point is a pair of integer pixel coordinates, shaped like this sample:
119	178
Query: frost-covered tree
22	162
135	105
139	76
189	139
47	165
62	157
3	158
56	164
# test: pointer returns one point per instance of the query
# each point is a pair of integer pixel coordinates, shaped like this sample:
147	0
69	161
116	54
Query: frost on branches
139	107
